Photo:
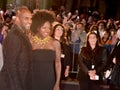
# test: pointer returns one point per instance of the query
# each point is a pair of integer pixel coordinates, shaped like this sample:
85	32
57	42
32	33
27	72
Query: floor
72	84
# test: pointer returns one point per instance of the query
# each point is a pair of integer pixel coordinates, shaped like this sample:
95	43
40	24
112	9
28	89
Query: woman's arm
57	64
81	64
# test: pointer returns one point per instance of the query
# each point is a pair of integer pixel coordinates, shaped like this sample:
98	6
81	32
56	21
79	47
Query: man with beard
15	73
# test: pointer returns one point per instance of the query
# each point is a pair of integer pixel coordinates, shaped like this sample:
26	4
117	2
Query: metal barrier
75	51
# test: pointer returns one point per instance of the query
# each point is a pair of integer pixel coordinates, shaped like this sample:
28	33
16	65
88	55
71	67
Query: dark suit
115	53
115	84
17	61
87	58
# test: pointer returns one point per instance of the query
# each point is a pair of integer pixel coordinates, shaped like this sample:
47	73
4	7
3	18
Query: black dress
43	71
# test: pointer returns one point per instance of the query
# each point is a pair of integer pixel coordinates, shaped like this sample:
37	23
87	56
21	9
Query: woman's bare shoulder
55	41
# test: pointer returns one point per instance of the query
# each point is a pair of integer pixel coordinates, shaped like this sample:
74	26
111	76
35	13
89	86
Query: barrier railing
75	47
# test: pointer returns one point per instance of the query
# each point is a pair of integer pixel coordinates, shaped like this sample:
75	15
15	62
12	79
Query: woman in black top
92	61
58	34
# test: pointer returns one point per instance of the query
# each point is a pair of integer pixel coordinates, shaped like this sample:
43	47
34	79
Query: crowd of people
39	48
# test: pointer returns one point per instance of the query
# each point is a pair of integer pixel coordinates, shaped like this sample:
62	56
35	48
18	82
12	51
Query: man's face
25	20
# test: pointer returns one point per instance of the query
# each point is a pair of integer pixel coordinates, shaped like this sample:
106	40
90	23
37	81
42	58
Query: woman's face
58	31
92	39
105	34
45	30
101	26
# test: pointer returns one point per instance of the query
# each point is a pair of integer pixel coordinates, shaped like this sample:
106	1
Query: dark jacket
17	61
115	75
89	57
115	53
67	52
66	60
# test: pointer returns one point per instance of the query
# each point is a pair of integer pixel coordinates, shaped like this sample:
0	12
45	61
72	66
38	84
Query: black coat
89	57
115	53
115	76
66	60
67	52
17	61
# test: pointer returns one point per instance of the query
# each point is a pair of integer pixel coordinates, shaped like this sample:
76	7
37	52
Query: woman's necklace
39	41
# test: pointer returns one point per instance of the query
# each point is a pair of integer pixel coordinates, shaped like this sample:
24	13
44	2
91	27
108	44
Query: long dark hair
88	50
87	42
62	39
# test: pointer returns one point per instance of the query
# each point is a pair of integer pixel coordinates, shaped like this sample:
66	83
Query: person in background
1	57
78	37
101	27
58	34
114	60
92	61
106	41
82	35
1	36
15	74
46	51
1	16
113	36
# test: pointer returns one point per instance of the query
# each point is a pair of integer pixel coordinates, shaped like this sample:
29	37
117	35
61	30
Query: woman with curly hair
46	63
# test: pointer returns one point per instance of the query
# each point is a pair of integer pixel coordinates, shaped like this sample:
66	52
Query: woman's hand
114	60
92	73
67	71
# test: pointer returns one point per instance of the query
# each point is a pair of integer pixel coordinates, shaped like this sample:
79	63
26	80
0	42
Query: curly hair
40	18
